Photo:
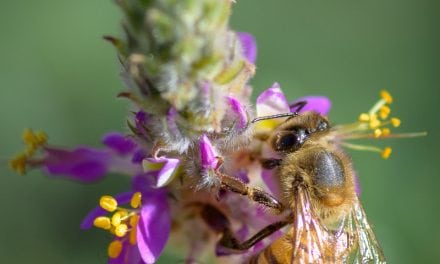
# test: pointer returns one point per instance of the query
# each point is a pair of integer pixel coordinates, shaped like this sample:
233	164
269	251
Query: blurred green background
57	74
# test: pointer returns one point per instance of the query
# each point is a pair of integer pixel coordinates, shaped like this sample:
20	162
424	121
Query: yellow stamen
108	203
132	236
121	230
136	200
385	95
102	222
386	152
395	122
134	220
374	123
386	131
377	132
33	140
116	219
114	249
364	117
18	163
384	111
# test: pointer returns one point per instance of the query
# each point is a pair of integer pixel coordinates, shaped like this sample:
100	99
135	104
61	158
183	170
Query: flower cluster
187	75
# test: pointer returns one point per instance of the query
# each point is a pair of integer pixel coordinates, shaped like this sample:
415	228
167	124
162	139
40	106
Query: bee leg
229	241
236	185
270	163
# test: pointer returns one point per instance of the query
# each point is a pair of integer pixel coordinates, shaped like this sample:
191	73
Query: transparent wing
352	242
310	238
365	248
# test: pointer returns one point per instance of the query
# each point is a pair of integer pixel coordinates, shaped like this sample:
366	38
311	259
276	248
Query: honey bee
326	222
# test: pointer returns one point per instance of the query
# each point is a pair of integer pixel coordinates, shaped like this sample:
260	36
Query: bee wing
365	248
312	242
353	242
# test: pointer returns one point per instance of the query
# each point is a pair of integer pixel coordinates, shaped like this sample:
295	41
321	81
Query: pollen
377	132
395	122
102	222
136	200
121	230
18	163
114	249
108	203
386	131
132	237
386	96
33	140
384	111
386	152
116	219
374	122
134	220
364	117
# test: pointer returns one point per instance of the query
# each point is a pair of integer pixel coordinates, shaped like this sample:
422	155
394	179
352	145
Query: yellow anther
18	163
136	200
34	139
116	219
121	230
114	249
395	122
364	117
385	95
386	131
386	152
132	236
102	222
134	220
374	123
384	111
377	132
108	203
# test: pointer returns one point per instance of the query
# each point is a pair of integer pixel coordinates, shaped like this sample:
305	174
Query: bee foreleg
235	185
229	241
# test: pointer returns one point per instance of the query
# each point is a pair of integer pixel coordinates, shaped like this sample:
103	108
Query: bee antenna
261	118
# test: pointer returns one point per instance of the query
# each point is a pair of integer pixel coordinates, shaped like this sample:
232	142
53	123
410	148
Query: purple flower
248	45
87	164
208	155
166	169
239	111
152	227
272	101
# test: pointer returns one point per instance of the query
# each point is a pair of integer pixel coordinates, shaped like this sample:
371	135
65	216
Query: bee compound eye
287	141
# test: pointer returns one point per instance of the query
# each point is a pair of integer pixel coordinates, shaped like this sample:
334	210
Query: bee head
294	132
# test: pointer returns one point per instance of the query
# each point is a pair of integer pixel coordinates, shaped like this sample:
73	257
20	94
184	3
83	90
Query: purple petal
320	104
272	101
166	173
208	155
239	111
153	228
271	182
82	164
122	198
248	45
138	156
119	143
144	182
